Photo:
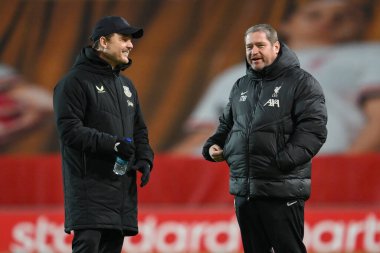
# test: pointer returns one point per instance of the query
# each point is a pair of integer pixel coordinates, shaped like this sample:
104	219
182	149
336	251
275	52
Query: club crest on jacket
272	102
276	90
127	92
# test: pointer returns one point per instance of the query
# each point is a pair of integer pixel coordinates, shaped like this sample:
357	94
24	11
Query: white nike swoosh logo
291	203
243	93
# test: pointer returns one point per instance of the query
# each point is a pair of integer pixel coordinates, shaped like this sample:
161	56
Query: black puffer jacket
94	105
274	123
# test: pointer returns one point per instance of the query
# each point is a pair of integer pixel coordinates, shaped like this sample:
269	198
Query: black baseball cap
114	24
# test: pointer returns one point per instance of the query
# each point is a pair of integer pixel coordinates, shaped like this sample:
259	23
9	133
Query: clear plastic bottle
121	166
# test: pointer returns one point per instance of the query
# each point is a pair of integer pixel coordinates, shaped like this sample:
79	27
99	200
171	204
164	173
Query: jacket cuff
206	154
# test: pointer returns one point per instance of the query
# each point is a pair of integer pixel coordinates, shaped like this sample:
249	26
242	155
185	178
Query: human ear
103	42
277	47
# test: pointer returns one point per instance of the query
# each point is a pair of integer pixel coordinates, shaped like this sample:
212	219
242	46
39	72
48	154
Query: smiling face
116	49
260	52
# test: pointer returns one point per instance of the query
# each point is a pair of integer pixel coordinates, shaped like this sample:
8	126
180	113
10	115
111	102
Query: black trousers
97	241
271	225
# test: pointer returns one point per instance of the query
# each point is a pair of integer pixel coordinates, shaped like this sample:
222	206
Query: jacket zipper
122	123
84	164
257	92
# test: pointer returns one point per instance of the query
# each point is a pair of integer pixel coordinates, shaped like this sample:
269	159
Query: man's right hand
124	149
216	153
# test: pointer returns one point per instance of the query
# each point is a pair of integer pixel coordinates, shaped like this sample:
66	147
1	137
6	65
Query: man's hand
124	148
144	167
216	153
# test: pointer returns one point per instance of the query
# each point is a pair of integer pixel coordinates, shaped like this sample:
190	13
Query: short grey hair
270	32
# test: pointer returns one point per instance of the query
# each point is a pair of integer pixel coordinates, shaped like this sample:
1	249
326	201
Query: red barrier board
212	229
37	180
343	181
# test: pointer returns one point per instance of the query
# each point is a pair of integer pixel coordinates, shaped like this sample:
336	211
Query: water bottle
121	166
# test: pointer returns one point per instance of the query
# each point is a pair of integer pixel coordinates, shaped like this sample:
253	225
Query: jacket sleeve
69	101
310	117
224	128
141	139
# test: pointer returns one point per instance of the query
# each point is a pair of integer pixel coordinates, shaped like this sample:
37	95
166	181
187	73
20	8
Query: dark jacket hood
89	60
286	59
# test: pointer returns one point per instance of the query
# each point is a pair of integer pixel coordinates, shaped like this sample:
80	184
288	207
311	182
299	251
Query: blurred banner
165	230
191	54
186	206
337	180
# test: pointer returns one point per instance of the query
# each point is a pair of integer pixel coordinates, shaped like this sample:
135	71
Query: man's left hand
144	167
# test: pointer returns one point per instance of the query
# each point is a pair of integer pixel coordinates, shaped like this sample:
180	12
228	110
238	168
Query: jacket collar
285	60
89	60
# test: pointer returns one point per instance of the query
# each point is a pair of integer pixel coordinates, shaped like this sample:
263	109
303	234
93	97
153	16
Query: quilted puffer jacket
273	125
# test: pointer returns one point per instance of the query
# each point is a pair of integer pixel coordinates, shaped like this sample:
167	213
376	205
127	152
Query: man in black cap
98	118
